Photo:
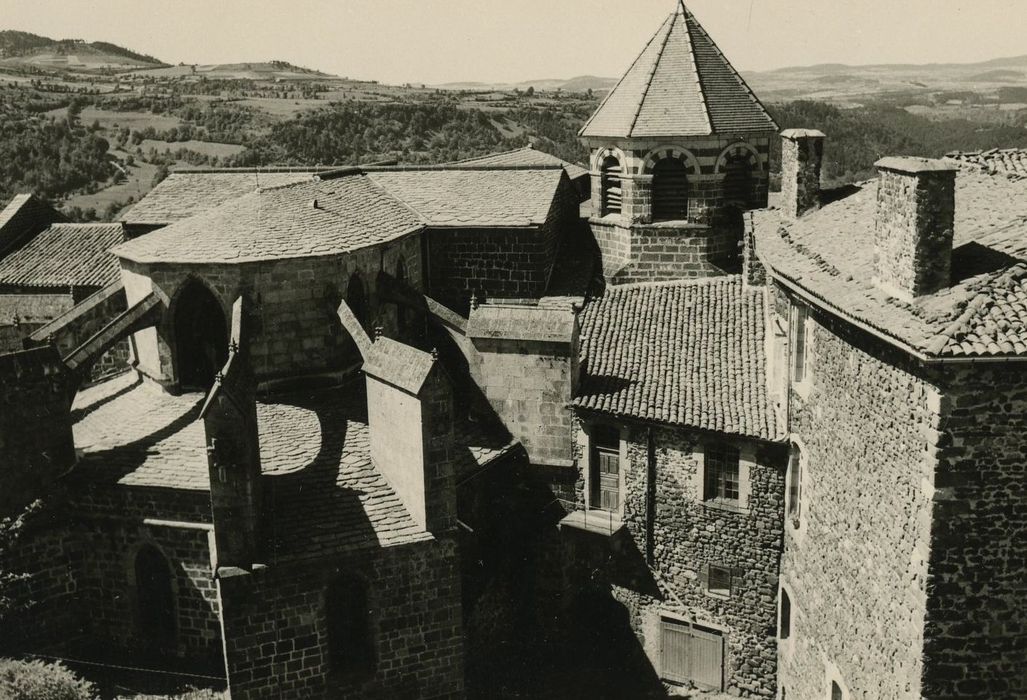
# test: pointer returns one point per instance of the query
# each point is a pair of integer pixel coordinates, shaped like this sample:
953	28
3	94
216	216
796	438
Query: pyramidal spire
681	84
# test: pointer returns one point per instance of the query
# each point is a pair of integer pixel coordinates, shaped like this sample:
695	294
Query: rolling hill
22	49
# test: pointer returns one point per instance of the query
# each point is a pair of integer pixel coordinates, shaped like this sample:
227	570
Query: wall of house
276	633
294	303
497	263
672	536
856	568
976	630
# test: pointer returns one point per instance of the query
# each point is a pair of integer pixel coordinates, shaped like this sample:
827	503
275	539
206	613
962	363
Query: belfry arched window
739	179
155	598
610	186
670	190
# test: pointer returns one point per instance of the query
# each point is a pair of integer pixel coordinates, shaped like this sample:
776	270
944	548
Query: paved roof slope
682	353
281	222
1007	161
680	85
64	255
830	254
184	194
25	214
399	364
453	197
527	156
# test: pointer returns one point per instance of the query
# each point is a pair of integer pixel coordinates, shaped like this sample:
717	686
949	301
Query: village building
390	431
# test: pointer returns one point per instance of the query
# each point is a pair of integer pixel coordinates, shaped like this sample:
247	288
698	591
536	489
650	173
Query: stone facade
275	624
293	304
658	565
802	158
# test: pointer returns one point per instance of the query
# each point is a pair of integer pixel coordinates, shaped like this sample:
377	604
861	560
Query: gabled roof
829	254
24	215
399	364
527	156
1007	161
679	353
680	85
187	193
281	222
474	197
65	255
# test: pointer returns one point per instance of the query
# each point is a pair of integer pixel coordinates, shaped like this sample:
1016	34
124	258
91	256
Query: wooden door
691	654
606	479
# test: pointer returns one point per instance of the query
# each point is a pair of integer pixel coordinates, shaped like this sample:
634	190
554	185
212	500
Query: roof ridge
421	218
652	72
623	76
745	86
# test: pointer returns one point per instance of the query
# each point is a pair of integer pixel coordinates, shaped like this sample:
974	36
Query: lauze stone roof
680	85
527	156
680	353
65	255
829	253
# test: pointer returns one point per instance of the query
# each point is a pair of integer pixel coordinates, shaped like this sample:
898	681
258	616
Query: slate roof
829	253
680	353
188	193
323	494
64	255
680	85
527	156
522	322
1006	161
281	222
399	364
472	197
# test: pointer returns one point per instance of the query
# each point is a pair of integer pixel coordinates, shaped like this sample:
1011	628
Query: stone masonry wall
802	157
684	535
294	304
976	631
276	635
658	253
856	568
497	263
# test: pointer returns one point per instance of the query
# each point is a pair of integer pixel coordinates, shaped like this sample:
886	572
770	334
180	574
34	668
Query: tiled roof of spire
680	85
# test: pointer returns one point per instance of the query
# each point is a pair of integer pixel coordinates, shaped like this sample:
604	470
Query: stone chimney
802	155
410	416
914	227
233	455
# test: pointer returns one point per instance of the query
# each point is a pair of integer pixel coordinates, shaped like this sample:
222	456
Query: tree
11	530
530	92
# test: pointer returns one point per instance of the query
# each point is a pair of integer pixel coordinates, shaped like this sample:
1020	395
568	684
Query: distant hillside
261	70
31	50
581	83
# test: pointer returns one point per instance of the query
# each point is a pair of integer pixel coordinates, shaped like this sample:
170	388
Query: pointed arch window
611	186
670	190
201	336
356	298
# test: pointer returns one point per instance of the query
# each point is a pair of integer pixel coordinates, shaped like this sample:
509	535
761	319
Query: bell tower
679	149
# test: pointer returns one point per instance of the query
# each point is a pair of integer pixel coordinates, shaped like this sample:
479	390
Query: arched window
738	179
610	186
350	646
794	478
155	598
785	630
670	190
201	336
356	298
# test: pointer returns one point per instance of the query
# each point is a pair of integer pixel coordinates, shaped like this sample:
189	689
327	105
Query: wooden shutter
706	658
610	182
674	645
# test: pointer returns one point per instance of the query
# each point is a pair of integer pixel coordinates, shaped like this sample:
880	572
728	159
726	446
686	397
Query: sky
439	41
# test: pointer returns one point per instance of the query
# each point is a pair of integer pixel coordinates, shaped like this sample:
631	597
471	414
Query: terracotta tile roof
681	353
527	156
184	194
1007	161
281	222
474	197
64	255
830	254
680	85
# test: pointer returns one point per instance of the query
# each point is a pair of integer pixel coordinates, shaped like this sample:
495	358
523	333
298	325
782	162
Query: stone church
387	431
